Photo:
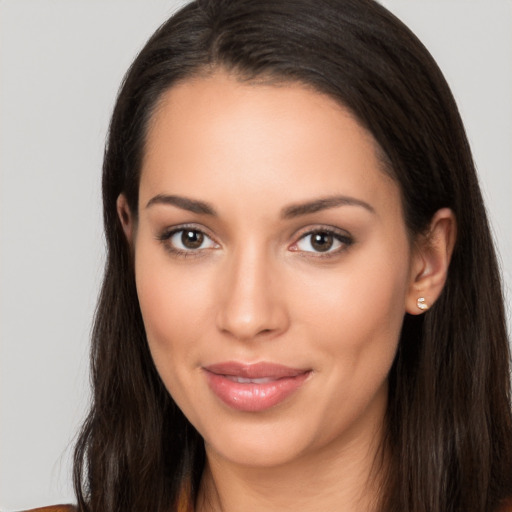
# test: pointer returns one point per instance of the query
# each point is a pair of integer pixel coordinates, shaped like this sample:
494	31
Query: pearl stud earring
422	304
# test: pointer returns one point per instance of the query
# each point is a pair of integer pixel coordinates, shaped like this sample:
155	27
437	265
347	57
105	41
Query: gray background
61	62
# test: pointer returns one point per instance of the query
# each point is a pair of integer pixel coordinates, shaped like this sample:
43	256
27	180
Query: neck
345	476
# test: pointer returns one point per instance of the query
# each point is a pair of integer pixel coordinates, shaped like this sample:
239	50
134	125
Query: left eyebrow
323	203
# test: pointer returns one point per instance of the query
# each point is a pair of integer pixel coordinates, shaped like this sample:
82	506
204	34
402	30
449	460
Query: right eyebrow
185	203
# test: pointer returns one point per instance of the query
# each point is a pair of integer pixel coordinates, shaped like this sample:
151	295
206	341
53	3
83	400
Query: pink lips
253	387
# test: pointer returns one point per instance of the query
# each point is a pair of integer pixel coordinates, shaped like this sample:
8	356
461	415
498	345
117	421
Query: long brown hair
448	424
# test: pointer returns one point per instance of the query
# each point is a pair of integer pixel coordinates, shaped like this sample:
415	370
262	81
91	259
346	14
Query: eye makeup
322	242
187	241
190	240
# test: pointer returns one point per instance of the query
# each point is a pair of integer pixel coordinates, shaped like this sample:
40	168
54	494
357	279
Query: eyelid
341	235
166	234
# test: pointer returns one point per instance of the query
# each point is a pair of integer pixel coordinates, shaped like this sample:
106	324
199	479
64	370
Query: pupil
192	239
322	241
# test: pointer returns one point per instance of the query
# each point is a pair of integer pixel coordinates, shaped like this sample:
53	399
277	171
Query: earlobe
126	217
431	259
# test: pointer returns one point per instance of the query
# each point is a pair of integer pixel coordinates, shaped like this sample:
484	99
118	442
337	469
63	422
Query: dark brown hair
448	425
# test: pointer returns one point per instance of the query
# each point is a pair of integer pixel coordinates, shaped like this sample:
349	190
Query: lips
254	387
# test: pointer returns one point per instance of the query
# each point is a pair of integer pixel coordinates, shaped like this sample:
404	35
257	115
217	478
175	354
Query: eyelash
343	238
167	235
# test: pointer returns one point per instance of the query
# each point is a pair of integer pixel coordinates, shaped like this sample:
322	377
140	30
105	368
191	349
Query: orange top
183	506
55	508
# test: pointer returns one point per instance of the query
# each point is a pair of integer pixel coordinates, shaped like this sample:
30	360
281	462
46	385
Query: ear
126	218
430	261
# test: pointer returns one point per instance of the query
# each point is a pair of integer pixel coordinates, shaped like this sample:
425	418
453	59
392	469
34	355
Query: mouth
254	387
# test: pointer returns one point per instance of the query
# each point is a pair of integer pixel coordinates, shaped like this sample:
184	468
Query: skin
258	290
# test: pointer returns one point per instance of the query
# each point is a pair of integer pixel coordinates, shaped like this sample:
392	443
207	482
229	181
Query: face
272	267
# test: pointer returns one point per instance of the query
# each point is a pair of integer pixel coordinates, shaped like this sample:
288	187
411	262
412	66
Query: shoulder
54	508
506	506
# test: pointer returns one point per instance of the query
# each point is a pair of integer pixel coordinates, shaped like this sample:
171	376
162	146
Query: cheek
354	322
173	313
357	298
356	312
173	305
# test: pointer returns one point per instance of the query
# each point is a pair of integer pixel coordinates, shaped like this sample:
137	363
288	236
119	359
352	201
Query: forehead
219	135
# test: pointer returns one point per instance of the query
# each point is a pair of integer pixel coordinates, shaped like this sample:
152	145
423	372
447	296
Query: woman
301	307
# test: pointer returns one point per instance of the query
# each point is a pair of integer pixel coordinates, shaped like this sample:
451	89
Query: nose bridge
251	303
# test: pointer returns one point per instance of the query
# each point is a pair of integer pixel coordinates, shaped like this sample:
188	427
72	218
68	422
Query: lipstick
253	387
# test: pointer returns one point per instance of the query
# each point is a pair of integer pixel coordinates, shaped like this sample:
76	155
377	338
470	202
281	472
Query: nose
252	301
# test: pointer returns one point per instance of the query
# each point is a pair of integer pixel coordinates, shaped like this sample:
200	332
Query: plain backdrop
61	62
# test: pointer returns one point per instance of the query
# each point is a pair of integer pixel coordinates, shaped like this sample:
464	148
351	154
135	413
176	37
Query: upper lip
254	370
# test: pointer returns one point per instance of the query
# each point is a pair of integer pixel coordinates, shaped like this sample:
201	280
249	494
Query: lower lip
254	397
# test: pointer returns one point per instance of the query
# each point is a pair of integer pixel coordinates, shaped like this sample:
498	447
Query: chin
275	438
256	451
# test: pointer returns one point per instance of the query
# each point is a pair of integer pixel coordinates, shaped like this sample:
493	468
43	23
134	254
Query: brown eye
192	239
187	240
322	241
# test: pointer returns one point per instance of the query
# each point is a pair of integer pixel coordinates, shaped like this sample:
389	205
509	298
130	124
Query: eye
322	241
187	240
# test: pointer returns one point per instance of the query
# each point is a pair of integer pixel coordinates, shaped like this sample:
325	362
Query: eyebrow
191	205
289	212
324	203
